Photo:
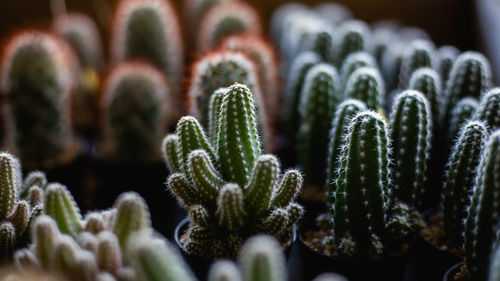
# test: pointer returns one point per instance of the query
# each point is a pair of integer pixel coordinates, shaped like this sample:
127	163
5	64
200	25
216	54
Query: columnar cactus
463	111
411	125
427	81
446	56
149	30
37	77
343	115
20	204
483	215
417	54
354	62
194	11
470	76
385	34
460	176
137	109
231	191
319	97
390	63
319	40
261	259
334	13
224	19
352	36
489	109
366	85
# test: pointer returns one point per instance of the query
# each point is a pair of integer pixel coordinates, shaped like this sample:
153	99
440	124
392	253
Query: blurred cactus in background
446	56
417	54
488	109
194	12
352	36
137	110
366	85
463	111
37	78
354	62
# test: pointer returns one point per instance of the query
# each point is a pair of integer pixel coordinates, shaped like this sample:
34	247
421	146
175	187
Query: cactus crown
37	73
483	214
137	110
354	62
460	176
224	19
366	85
463	111
489	109
427	81
220	186
419	53
446	56
334	13
353	36
319	40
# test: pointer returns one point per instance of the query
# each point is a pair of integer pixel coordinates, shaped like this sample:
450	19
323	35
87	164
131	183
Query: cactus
224	19
319	97
460	175
37	78
419	53
446	56
483	214
194	11
411	125
149	30
494	268
390	63
343	115
354	62
470	76
352	36
463	111
220	185
265	61
137	109
320	41
489	109
366	85
427	81
261	259
60	204
385	33
334	13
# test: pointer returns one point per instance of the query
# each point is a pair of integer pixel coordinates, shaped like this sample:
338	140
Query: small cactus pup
464	110
261	258
221	185
489	109
411	134
224	19
319	98
37	78
352	36
137	110
446	56
460	176
16	211
481	224
149	30
417	54
354	62
366	85
470	76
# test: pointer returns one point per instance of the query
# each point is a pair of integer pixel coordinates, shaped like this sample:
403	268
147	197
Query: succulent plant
364	214
427	81
224	19
494	269
354	62
37	78
470	76
220	185
482	219
460	175
149	30
319	98
261	259
390	64
366	85
385	33
343	115
352	36
194	12
319	40
489	109
463	111
417	54
137	109
334	13
446	56
411	133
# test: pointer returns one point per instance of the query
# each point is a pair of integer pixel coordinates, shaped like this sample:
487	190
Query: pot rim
452	270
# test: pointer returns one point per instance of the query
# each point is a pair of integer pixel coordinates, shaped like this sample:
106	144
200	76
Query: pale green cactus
366	85
352	36
355	61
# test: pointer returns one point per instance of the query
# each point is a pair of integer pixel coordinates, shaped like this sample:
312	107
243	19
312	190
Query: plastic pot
452	271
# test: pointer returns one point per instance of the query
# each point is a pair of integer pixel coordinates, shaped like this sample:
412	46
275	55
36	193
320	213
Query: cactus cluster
417	54
137	110
230	190
37	78
20	203
488	109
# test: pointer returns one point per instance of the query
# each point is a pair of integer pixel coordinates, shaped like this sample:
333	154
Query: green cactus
446	56
460	176
366	85
488	109
483	214
149	30
352	36
37	80
470	76
319	40
60	204
463	111
411	125
221	186
137	109
385	33
334	13
390	63
343	115
224	19
417	54
494	268
354	62
32	180
427	81
194	12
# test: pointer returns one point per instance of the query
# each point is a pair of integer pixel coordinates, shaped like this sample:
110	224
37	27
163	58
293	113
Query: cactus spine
483	214
489	109
460	177
222	186
411	125
366	85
